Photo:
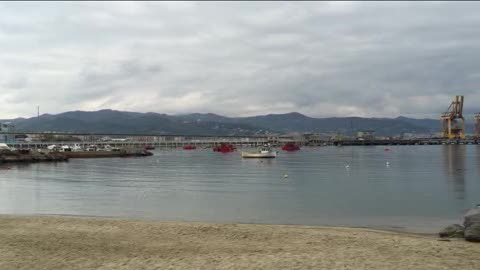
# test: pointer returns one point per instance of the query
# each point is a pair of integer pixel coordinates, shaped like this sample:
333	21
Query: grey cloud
124	70
320	58
16	83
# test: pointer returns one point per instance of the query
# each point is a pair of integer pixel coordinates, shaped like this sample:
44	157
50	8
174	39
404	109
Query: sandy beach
54	242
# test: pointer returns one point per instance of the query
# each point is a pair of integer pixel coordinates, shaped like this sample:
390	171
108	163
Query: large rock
472	225
451	231
472	233
472	216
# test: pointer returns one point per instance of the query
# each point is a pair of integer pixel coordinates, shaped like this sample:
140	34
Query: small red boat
189	147
149	147
290	147
224	148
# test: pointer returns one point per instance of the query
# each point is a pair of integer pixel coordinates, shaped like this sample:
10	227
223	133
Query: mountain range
111	121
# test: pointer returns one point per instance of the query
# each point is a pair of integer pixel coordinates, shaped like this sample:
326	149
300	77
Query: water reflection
454	165
477	159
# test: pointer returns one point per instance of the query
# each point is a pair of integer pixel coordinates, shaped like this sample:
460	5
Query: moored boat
290	147
189	147
224	148
263	152
149	147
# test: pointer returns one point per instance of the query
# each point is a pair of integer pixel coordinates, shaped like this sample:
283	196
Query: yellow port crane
477	125
453	122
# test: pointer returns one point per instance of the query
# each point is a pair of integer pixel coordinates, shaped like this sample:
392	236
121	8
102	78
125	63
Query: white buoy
285	176
387	164
347	166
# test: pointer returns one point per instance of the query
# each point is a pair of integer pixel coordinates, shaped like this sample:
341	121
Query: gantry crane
477	125
452	120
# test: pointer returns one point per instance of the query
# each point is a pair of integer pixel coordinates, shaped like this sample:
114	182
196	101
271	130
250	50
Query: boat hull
224	148
258	155
289	147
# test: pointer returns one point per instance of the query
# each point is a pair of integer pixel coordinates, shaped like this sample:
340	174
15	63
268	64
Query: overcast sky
237	59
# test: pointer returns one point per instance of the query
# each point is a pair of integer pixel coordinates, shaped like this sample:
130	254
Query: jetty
24	156
42	155
108	154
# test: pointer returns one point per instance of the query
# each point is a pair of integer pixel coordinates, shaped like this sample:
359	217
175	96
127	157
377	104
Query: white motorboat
65	148
263	152
77	148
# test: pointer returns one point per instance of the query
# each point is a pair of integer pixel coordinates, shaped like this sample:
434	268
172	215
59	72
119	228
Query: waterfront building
407	135
22	138
366	135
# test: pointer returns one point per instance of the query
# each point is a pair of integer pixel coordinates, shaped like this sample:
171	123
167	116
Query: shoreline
79	242
385	229
379	228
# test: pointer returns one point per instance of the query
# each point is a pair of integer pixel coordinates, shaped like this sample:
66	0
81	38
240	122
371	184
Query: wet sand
53	242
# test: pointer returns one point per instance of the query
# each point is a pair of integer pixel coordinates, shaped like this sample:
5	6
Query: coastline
73	242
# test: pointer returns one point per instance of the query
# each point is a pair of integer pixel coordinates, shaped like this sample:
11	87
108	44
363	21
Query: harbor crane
477	125
453	122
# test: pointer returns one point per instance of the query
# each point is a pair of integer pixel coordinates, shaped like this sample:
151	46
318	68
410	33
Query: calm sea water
422	189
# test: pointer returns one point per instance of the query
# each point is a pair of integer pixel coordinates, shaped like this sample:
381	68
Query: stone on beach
472	225
472	233
472	217
452	231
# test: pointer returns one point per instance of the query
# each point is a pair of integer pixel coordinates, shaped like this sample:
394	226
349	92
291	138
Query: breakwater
31	156
108	154
23	156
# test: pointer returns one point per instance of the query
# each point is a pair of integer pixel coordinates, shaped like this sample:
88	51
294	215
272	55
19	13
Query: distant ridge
112	121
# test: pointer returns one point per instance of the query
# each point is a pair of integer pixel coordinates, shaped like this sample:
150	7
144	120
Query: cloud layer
241	58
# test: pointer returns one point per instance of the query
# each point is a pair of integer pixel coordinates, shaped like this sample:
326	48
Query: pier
200	141
406	142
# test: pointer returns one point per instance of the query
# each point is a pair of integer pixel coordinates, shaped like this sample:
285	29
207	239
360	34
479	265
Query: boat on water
290	147
189	147
263	152
149	147
224	148
91	148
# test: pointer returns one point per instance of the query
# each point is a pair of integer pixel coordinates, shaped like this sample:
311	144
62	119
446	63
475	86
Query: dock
404	142
200	141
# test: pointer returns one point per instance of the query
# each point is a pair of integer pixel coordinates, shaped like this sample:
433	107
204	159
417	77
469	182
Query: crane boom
453	122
